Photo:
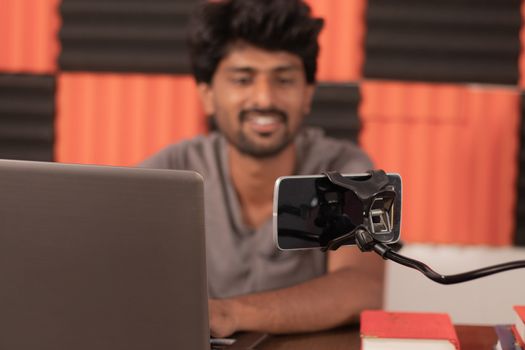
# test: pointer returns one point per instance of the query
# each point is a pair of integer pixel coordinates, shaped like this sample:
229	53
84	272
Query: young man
255	62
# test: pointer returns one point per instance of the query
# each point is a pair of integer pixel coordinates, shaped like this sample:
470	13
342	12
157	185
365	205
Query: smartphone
310	211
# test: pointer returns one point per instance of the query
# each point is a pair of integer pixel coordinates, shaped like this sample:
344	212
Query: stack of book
511	337
382	330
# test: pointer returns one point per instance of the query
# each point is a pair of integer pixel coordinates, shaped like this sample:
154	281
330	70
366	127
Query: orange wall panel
456	148
29	35
341	41
119	119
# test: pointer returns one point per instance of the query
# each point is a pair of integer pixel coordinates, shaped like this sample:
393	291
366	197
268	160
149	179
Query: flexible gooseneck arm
366	241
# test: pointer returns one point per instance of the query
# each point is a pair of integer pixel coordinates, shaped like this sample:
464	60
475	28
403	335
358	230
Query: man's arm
354	282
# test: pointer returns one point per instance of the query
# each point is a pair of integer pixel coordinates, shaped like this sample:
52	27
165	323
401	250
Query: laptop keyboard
240	341
221	343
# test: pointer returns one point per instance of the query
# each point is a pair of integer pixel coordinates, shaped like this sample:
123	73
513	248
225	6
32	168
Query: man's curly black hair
274	25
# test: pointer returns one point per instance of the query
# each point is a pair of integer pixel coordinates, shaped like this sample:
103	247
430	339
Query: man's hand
222	320
354	282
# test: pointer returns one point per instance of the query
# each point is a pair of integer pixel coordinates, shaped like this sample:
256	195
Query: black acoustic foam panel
27	115
125	35
443	40
335	108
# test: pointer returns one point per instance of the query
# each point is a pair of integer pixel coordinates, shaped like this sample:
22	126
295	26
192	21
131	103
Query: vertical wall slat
28	36
458	164
341	57
118	119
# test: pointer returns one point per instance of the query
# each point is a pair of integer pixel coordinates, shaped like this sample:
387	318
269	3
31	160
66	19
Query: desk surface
470	337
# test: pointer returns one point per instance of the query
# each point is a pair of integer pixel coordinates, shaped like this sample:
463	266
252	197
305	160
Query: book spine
519	341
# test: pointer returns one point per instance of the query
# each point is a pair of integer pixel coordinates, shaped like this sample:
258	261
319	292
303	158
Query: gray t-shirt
242	260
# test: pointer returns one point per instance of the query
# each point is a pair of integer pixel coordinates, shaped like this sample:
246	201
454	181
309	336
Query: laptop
98	257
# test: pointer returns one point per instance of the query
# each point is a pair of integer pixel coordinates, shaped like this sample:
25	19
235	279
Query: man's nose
263	94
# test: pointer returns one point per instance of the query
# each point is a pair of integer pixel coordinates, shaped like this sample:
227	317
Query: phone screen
310	211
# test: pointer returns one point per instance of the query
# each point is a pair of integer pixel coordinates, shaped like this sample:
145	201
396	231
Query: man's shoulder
185	154
318	137
320	152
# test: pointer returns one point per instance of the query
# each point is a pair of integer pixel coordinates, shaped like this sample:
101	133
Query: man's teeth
264	120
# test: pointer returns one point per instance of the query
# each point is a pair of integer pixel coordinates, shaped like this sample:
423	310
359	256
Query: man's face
259	99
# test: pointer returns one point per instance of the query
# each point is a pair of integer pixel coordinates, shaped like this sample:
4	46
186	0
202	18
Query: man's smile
264	122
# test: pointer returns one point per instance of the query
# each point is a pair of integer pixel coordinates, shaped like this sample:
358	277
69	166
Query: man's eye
285	81
241	80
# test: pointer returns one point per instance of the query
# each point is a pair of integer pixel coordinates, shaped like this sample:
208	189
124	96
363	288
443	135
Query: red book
519	324
407	331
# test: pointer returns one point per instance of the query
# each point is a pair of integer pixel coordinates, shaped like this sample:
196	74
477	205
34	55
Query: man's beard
248	147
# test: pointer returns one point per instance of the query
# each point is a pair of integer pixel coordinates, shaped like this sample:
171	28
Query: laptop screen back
95	257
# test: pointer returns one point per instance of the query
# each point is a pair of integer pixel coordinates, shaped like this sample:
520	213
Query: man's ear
308	98
206	95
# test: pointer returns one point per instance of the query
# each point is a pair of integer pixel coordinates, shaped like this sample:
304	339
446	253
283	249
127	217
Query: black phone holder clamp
377	197
374	197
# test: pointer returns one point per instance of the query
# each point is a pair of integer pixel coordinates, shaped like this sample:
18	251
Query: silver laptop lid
95	257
